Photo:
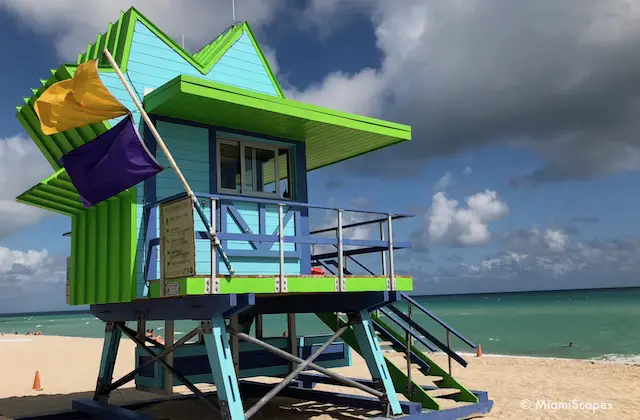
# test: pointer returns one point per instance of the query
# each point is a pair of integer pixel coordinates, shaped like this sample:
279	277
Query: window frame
242	144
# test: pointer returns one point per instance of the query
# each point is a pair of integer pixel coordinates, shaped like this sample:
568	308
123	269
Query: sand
68	370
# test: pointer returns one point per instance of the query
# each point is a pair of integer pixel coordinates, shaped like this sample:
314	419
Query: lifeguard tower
147	254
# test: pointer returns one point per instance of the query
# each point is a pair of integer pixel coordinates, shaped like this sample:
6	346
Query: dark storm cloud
560	77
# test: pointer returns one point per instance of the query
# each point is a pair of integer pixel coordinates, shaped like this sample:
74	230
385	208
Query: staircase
436	390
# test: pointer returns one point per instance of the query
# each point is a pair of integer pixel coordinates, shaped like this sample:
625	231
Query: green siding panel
81	253
90	241
101	252
113	253
73	272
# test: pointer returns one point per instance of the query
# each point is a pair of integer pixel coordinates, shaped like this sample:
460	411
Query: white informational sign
177	239
172	289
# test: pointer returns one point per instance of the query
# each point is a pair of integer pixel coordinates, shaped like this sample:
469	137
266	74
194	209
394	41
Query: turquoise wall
190	148
153	63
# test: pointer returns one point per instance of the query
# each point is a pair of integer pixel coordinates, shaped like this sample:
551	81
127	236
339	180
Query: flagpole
172	162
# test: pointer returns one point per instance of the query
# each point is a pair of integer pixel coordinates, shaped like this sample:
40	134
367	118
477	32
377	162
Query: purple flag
111	163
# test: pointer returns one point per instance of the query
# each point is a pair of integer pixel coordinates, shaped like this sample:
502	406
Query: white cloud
20	269
21	166
444	182
466	73
556	239
360	93
467	170
74	23
32	280
30	259
270	56
557	258
549	239
447	221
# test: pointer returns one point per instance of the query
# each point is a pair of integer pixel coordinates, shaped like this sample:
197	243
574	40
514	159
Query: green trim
231	285
404	283
280	102
365	284
434	370
124	41
48	206
226	41
265	63
312	284
266	284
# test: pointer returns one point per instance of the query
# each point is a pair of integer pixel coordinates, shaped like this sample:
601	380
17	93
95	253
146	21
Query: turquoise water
602	324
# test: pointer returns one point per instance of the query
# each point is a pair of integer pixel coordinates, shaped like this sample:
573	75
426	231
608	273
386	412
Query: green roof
330	136
55	193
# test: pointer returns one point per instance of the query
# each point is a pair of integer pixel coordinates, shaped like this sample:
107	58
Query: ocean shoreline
630	360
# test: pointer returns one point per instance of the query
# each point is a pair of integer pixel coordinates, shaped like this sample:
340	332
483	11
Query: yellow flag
76	102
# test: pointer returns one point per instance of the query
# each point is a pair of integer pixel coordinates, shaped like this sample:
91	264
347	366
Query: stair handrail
431	315
411	330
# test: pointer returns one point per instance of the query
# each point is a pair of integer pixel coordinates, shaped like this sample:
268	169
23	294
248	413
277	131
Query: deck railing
302	236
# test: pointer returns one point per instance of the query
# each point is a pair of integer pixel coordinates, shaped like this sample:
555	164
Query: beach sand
68	370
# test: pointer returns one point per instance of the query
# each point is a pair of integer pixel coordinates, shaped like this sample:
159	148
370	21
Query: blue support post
110	347
372	354
222	368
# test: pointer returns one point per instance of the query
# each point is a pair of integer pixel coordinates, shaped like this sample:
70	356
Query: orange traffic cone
36	382
479	351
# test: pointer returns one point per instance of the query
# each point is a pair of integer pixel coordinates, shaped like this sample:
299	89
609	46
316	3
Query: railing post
449	346
259	326
340	254
384	258
214	285
392	273
282	280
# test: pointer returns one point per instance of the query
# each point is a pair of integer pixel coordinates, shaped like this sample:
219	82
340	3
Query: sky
524	156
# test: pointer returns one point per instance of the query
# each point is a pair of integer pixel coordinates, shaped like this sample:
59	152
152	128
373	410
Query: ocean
601	324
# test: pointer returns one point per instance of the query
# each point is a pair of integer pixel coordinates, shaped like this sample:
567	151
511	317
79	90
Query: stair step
433	379
442	392
385	343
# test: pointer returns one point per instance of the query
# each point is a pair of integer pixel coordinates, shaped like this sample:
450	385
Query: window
254	169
